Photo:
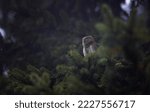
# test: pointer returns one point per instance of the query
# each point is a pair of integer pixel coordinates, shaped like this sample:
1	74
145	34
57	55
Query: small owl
89	45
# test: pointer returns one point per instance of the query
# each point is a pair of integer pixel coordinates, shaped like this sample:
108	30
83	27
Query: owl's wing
84	52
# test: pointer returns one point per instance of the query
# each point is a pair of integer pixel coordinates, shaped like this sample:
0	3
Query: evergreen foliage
31	81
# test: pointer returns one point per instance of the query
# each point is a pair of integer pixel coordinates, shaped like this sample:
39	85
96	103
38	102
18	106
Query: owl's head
87	40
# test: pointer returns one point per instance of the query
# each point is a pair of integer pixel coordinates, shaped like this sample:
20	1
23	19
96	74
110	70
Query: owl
89	45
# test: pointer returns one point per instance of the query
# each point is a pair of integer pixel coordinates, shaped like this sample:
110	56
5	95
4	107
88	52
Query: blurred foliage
47	34
31	81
